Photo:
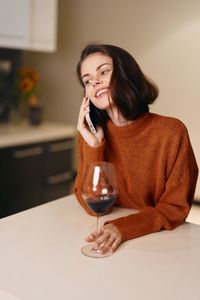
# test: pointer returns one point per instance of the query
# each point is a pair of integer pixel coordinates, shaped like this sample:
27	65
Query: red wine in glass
100	204
99	191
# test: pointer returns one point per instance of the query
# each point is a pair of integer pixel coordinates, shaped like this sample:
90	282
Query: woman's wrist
95	144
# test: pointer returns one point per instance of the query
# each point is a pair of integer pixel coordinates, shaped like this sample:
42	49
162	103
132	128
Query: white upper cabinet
29	24
43	34
14	23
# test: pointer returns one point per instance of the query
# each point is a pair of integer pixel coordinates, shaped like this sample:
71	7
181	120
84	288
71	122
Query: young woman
156	167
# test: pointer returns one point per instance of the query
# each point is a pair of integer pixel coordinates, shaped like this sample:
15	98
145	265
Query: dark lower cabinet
59	173
34	174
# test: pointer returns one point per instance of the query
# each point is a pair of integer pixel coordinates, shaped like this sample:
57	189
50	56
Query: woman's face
96	72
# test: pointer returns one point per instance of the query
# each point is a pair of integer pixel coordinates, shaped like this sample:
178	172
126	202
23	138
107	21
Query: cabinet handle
61	146
59	178
28	152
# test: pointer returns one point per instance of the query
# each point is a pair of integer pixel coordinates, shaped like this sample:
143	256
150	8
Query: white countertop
24	133
40	259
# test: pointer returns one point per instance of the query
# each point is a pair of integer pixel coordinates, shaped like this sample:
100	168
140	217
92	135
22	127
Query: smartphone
96	117
90	124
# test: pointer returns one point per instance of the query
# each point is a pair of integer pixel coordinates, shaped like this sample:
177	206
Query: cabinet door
43	36
34	174
22	173
4	183
28	24
15	23
58	168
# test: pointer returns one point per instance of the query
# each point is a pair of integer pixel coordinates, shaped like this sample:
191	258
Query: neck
116	117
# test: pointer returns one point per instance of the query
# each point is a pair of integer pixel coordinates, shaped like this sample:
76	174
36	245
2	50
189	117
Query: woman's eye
104	72
88	82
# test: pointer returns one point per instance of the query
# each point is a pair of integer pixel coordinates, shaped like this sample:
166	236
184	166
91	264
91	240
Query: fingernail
89	237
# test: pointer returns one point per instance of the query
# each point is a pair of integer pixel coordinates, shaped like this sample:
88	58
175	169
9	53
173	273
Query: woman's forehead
94	60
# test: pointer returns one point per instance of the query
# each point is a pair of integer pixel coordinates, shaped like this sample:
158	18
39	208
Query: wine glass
99	191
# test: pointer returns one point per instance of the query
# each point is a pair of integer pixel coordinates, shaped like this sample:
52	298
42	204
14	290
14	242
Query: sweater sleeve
174	204
86	154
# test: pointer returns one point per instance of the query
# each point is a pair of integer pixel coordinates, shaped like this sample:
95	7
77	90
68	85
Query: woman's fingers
84	109
108	239
91	238
115	244
94	140
111	245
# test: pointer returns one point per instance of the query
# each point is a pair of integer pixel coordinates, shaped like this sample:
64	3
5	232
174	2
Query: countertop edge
24	134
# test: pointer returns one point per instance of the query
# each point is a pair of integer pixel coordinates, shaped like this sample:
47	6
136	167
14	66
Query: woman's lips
101	91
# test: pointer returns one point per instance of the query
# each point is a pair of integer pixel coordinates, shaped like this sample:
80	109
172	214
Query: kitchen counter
24	133
40	258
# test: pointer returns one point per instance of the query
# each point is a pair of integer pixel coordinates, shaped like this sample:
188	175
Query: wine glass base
88	250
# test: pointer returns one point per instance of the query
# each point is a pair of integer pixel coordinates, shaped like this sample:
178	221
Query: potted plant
27	85
18	94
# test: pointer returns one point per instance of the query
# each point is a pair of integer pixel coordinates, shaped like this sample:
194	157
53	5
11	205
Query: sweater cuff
145	222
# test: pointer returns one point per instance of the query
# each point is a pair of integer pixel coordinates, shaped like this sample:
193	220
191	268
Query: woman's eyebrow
99	67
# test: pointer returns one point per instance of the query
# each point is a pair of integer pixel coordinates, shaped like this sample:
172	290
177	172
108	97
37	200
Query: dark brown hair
130	89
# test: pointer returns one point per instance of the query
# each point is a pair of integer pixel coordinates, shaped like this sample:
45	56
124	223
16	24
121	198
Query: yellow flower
27	82
26	85
28	73
34	75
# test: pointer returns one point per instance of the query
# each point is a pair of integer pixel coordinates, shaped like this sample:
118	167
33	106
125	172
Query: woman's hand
94	140
108	238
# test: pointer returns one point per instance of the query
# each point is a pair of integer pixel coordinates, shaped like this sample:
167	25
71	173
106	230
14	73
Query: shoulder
170	132
167	124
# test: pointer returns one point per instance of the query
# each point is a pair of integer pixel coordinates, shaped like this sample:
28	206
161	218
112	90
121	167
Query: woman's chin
103	107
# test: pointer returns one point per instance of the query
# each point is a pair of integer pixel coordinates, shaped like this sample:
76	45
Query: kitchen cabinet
20	178
58	169
34	174
28	24
36	164
14	23
43	33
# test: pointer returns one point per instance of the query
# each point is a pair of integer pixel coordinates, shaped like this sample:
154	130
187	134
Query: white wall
163	36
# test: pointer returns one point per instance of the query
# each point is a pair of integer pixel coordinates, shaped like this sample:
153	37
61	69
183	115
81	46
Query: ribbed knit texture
156	172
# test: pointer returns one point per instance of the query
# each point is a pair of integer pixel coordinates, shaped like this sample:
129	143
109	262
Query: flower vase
19	112
35	110
35	115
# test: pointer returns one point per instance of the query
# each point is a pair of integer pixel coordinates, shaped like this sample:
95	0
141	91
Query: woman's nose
96	82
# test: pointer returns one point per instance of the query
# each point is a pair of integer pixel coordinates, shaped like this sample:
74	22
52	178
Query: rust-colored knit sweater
156	171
